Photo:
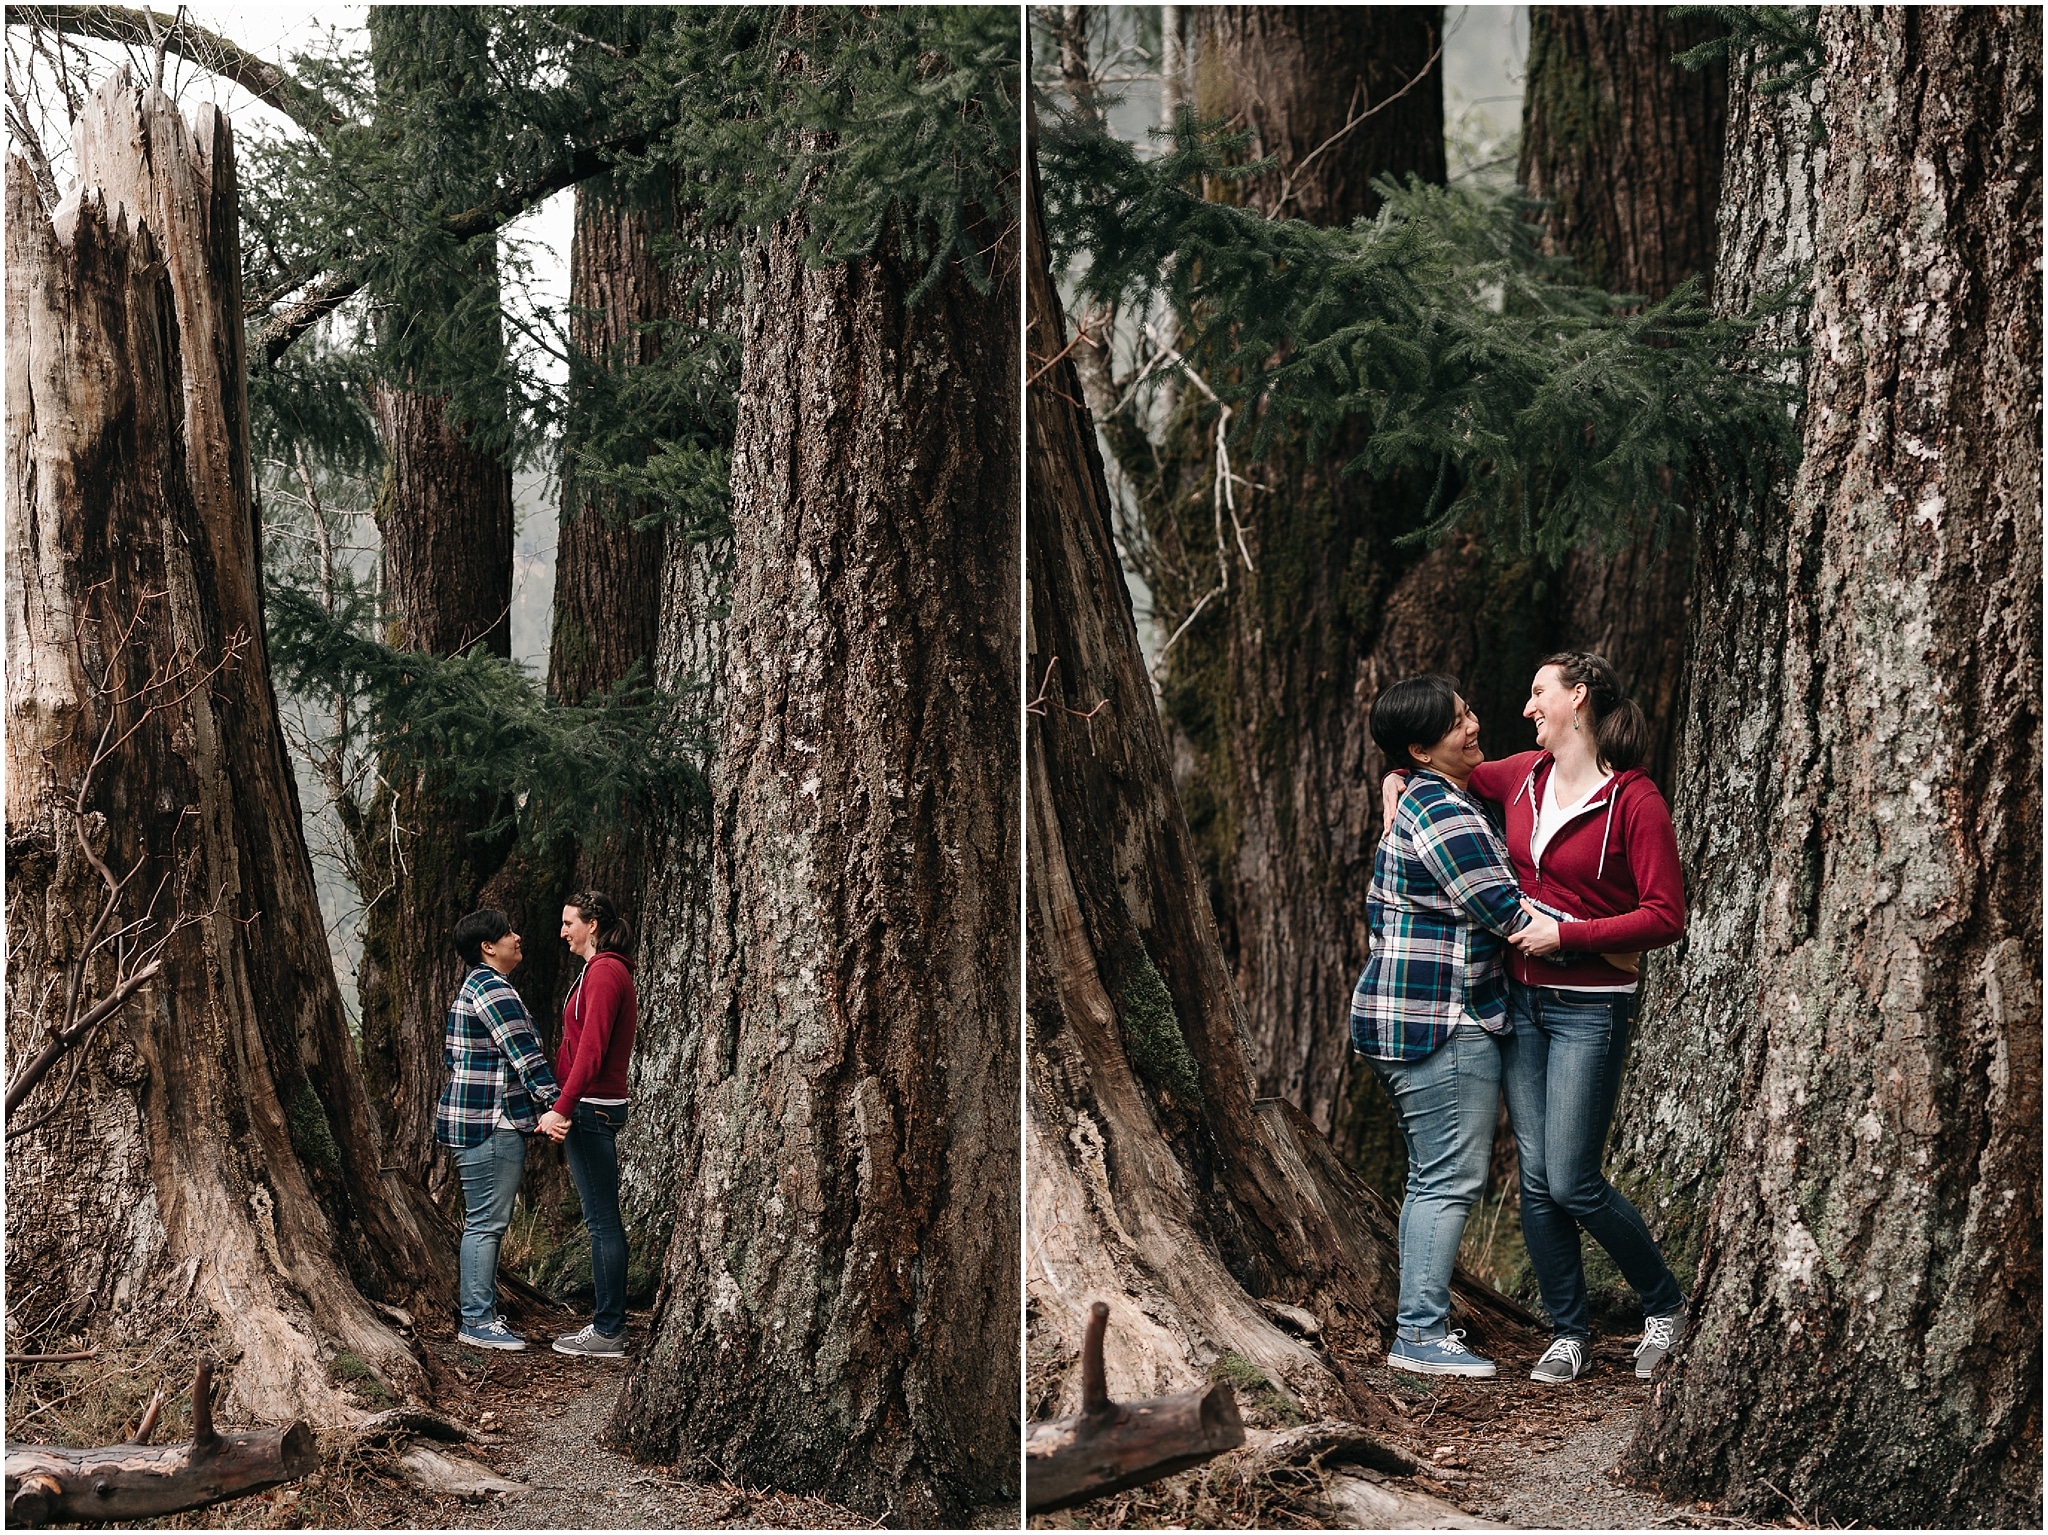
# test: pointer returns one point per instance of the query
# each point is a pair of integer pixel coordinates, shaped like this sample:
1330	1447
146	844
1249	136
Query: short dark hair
614	932
1416	711
478	929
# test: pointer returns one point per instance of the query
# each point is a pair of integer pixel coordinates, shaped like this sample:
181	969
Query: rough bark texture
219	1148
1153	1180
1867	1336
1625	147
1690	1057
608	574
839	1305
445	516
1266	693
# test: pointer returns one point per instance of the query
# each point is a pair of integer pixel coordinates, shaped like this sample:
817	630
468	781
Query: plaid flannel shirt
494	1057
1443	898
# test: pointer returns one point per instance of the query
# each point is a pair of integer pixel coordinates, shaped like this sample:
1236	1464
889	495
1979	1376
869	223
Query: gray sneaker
1564	1360
591	1343
1660	1336
493	1334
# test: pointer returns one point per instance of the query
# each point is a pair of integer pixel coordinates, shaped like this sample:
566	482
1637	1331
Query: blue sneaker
1438	1356
493	1334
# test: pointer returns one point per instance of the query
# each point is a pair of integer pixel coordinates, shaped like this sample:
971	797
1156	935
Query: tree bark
1152	1175
1625	148
445	516
218	1146
1266	692
1853	1041
839	1306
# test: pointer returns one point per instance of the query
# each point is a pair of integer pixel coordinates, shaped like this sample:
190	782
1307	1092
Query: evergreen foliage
486	727
1781	43
1561	415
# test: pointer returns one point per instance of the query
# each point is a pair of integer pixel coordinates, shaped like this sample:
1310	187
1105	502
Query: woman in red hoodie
1587	833
597	1044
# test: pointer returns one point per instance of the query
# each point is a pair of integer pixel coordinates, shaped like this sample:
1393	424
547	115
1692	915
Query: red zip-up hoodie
597	1032
1613	863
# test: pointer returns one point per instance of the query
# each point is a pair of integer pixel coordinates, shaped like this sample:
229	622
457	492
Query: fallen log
49	1485
1110	1446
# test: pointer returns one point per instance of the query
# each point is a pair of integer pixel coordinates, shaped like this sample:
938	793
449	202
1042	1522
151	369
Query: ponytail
1621	731
614	932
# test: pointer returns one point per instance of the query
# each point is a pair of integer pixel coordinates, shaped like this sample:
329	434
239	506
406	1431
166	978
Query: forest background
1714	399
775	412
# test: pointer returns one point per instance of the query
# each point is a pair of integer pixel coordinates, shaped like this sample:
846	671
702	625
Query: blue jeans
1448	1102
490	1182
594	1164
1561	1071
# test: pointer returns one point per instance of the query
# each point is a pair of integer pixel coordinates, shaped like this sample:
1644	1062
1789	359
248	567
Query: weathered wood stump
1109	1446
50	1485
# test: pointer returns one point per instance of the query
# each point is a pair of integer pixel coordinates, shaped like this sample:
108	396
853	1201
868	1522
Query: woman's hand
554	1127
1390	796
1539	937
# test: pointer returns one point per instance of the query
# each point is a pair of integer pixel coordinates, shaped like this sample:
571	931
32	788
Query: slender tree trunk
446	521
839	1306
1851	1049
218	1146
1625	147
1155	1180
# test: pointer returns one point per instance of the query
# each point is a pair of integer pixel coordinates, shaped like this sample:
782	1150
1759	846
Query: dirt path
542	1415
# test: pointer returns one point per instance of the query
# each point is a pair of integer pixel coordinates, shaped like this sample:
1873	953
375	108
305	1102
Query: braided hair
1621	731
614	932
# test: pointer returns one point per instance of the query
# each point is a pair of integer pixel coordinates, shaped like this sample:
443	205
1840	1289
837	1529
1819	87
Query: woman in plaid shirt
1433	997
498	1082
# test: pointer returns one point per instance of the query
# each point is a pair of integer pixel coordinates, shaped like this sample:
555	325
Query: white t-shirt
1550	819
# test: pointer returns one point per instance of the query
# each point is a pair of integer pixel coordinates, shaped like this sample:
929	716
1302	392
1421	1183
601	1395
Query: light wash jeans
593	1150
1448	1102
490	1183
1561	1070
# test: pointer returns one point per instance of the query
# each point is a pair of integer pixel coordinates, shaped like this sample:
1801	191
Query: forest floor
537	1418
1500	1452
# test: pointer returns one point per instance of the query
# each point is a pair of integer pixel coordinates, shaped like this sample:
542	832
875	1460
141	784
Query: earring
1575	719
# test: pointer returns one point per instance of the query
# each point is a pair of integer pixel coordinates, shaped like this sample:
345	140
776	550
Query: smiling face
579	932
504	955
1552	706
1457	753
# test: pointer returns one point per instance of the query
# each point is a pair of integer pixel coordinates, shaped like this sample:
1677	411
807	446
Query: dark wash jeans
592	1144
1560	1072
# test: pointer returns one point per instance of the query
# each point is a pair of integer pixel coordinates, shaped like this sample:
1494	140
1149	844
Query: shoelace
1657	1333
1450	1344
1568	1349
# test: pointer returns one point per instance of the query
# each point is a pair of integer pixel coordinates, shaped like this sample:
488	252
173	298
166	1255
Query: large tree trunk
839	1305
1266	692
1625	147
1153	1178
1853	1042
218	1146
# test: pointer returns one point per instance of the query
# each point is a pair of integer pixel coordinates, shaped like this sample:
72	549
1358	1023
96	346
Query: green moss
353	1371
1255	1389
311	1135
1152	1034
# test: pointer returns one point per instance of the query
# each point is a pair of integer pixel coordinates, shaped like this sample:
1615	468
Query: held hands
554	1126
1539	937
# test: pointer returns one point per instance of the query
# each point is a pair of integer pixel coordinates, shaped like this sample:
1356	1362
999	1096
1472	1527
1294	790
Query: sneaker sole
1560	1380
1417	1367
513	1348
591	1353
